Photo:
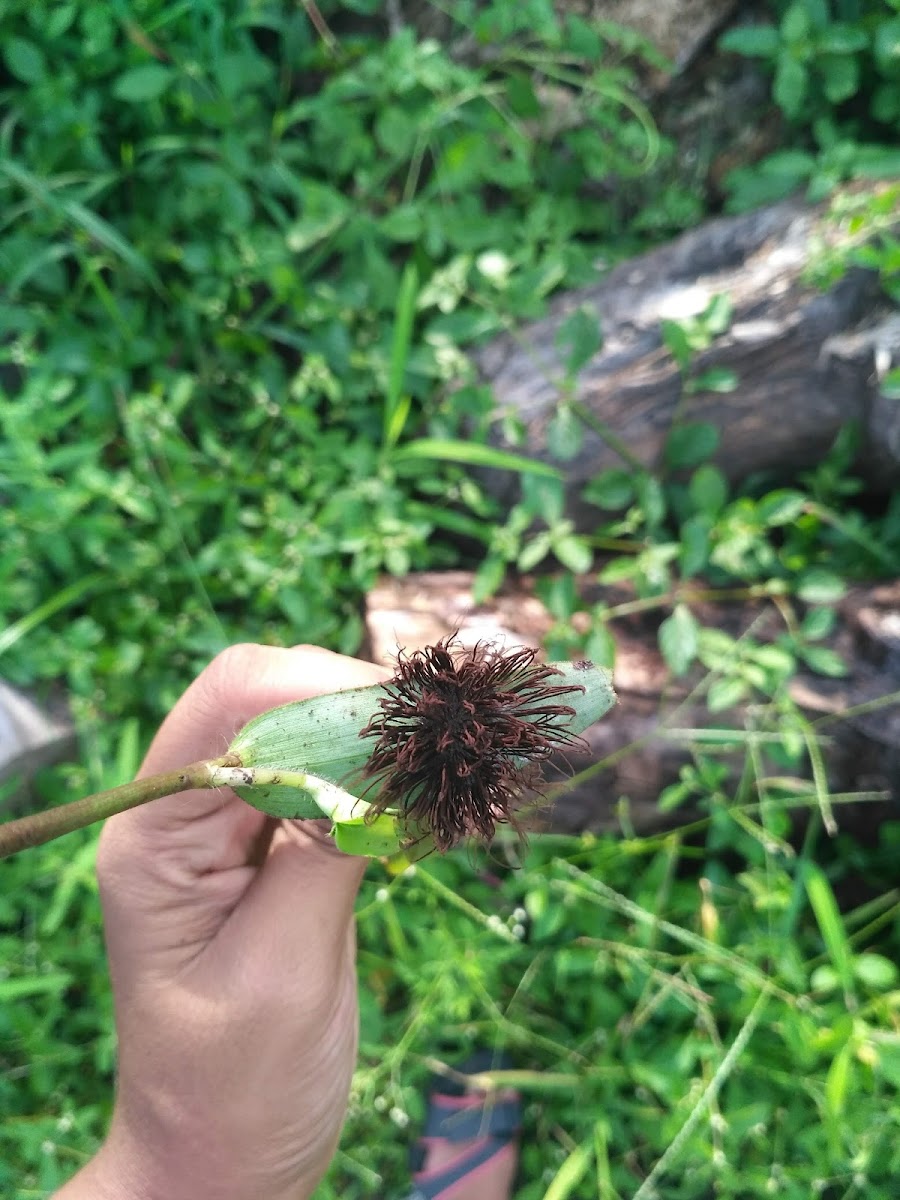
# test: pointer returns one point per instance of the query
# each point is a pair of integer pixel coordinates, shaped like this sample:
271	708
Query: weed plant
835	71
240	261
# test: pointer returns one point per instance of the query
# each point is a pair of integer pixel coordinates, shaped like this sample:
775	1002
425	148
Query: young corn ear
310	758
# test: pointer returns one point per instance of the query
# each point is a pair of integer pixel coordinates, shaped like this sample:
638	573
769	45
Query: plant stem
332	800
52	823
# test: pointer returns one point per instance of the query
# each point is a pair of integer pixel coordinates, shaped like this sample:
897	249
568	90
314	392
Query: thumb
294	920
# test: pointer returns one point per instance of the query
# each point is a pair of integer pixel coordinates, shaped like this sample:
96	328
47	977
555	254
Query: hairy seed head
461	735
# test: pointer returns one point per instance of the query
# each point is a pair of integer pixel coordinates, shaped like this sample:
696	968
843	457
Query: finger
212	830
294	919
242	682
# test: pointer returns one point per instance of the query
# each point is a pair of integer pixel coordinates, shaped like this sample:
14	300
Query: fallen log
807	362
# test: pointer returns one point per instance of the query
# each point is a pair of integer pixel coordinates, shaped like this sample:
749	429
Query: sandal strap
447	1118
431	1185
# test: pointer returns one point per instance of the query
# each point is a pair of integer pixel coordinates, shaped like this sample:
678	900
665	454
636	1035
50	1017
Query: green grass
693	1013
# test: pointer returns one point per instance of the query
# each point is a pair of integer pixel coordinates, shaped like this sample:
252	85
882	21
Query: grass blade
397	406
99	230
34	985
68	595
820	776
831	926
570	1174
649	1187
474	453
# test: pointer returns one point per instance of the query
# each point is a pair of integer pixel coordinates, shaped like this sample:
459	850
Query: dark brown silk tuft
462	735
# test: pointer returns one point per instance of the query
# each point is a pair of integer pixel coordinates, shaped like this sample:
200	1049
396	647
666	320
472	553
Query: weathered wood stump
33	734
808	362
640	738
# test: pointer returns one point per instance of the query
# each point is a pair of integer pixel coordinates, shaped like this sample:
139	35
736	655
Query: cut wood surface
676	29
645	738
807	362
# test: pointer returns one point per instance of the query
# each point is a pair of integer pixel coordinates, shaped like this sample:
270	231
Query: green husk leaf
375	839
319	736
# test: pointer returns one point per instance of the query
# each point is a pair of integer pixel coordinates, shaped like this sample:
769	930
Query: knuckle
231	669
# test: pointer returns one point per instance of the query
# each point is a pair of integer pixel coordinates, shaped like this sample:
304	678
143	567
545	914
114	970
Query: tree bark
808	362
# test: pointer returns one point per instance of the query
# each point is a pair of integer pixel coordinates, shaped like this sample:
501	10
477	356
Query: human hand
232	955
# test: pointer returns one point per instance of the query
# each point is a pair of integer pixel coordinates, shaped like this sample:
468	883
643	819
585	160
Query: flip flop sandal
489	1123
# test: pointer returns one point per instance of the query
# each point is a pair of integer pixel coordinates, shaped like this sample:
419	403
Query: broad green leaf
795	25
25	60
580	337
677	341
876	972
695	544
691	444
142	84
840	77
600	646
708	489
887	43
843	38
818	623
612	489
717	316
565	434
618	570
791	82
396	130
725	693
488	578
782	507
650	497
824	661
817	586
754	41
573	552
716	379
678	639
533	552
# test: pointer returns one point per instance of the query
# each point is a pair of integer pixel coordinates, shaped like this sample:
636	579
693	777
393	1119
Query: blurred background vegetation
245	249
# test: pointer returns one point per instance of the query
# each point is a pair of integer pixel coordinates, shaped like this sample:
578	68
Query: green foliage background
239	266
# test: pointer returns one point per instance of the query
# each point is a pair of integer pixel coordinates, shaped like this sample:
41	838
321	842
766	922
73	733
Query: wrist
113	1174
105	1177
